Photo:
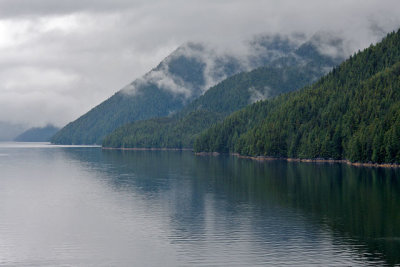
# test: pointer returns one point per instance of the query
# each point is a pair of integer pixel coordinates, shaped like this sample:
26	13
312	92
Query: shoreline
146	149
318	160
262	158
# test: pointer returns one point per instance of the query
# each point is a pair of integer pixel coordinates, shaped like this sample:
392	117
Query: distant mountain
291	72
8	131
37	134
352	113
180	78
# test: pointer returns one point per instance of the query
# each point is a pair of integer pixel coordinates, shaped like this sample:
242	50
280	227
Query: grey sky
58	59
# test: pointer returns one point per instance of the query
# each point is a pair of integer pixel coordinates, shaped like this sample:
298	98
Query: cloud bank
58	59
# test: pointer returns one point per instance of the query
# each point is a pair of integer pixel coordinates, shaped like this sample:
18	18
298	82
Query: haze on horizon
61	58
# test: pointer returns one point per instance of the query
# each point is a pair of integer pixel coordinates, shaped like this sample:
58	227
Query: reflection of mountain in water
359	205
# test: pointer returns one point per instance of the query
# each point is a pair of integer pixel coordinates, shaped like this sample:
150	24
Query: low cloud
164	80
259	95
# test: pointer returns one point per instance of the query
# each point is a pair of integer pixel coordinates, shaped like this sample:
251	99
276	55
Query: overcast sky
58	59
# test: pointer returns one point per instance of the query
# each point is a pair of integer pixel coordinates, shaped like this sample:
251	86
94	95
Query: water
81	206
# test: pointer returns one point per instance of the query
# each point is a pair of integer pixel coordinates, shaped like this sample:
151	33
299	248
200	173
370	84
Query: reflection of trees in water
360	205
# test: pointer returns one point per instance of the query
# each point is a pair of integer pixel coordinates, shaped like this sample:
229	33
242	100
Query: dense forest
352	113
180	130
180	78
184	76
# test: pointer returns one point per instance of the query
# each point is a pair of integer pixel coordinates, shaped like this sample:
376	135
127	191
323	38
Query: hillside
351	113
185	75
234	93
180	78
37	134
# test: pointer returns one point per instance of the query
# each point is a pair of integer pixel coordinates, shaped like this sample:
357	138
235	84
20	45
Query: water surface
82	206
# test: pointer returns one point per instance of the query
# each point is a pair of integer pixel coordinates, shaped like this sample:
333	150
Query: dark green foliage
162	132
37	134
224	137
244	88
352	113
219	101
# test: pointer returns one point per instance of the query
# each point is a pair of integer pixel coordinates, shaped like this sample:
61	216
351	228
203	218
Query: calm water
81	206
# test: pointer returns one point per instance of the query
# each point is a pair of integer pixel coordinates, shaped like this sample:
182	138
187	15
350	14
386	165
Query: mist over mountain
180	78
235	92
352	113
287	73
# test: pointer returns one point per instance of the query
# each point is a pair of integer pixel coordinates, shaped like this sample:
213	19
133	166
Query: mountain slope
181	77
352	113
37	134
236	92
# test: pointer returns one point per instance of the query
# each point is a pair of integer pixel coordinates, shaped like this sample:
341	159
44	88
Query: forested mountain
352	113
37	134
285	74
182	77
